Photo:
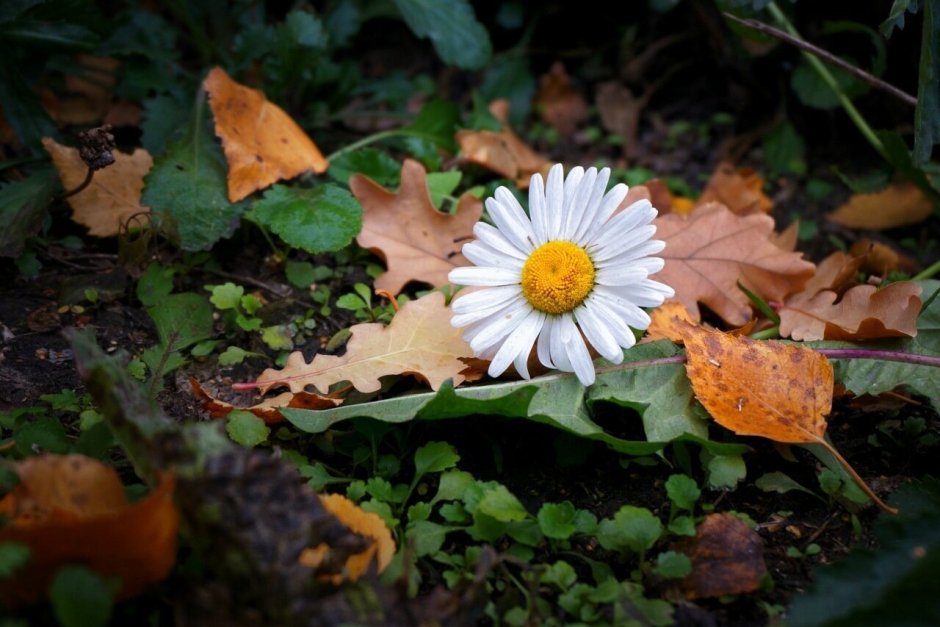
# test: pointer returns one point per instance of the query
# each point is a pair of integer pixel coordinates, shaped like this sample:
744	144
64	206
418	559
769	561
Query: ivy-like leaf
322	219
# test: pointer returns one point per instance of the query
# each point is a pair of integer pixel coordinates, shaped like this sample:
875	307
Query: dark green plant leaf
378	165
186	189
246	429
23	206
501	504
13	555
155	284
22	109
632	528
45	434
322	219
182	320
452	27
784	150
435	457
813	91
895	585
435	123
780	482
48	33
163	118
80	598
510	77
927	115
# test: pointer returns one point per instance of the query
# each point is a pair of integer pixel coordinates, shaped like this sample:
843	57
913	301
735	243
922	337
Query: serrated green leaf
186	189
682	491
428	537
435	457
501	504
23	206
378	165
632	528
246	429
452	27
322	219
80	598
181	320
562	574
557	520
227	296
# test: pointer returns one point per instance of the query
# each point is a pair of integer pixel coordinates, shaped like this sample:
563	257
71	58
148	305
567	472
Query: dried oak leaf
418	242
269	409
881	259
739	189
419	341
710	251
899	204
562	106
113	195
503	152
727	558
73	509
769	389
262	143
381	546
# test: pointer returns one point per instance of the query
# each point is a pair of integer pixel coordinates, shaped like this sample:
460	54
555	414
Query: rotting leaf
381	547
113	195
262	143
72	508
727	558
417	242
778	391
710	251
418	341
268	410
899	204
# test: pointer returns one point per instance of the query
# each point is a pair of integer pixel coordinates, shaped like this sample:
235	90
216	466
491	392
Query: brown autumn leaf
87	93
739	189
262	143
864	312
113	195
712	249
503	152
418	242
727	558
562	106
769	389
381	549
666	322
899	204
269	409
881	259
419	341
73	509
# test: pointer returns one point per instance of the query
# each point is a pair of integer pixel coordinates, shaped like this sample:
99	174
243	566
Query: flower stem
927	273
872	353
365	141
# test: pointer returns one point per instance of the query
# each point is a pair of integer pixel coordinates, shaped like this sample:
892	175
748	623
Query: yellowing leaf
418	242
262	143
897	205
419	341
72	509
381	548
113	195
502	152
778	391
710	251
740	190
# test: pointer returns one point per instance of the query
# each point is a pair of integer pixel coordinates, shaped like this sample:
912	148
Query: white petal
630	255
516	232
620	300
490	235
597	333
483	255
467	301
518	344
509	201
543	346
607	207
476	275
576	353
572	184
574	211
593	205
555	199
611	244
499	326
621	275
615	323
478	314
538	209
559	335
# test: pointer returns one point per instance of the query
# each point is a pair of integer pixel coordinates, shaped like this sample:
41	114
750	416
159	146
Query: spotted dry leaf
727	558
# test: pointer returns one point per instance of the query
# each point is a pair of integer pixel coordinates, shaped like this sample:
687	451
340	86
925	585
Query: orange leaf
727	558
864	312
269	409
418	242
113	195
72	509
419	341
741	190
262	143
502	152
899	204
367	524
667	321
710	251
778	391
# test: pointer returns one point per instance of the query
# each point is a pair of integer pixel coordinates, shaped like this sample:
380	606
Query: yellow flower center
557	277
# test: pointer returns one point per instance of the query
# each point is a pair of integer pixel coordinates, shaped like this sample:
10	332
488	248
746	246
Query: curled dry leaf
741	190
881	259
418	242
769	389
262	144
269	409
73	509
899	204
502	152
727	558
113	195
419	341
562	106
380	549
710	251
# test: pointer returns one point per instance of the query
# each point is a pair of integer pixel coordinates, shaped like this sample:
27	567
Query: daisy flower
564	274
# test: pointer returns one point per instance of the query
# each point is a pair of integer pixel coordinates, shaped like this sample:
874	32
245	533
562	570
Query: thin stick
828	57
81	186
855	477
